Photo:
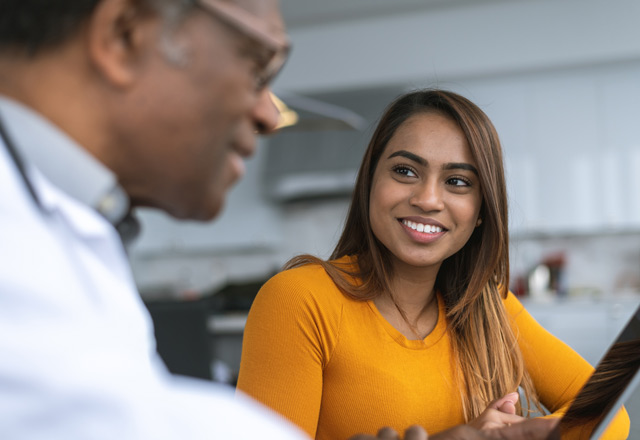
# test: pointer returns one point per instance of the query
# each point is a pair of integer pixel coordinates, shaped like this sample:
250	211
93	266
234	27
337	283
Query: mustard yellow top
335	367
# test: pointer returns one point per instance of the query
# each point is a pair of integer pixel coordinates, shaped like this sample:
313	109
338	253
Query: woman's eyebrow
422	161
460	166
410	156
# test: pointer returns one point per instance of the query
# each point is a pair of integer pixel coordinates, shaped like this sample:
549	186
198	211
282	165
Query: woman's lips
423	231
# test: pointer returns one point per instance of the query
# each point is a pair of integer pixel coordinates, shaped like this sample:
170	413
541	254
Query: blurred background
560	79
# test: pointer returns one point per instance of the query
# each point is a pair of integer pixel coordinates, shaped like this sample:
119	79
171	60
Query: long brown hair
472	281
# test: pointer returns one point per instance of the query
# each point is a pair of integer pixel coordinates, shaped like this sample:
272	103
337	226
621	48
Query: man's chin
209	212
203	209
203	212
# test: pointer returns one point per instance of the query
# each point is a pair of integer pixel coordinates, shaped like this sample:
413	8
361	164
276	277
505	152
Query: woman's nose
428	197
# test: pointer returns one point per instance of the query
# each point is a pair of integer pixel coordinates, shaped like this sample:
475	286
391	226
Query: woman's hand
531	429
495	423
414	432
499	413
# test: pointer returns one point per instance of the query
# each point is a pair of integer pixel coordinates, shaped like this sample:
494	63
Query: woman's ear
119	33
478	222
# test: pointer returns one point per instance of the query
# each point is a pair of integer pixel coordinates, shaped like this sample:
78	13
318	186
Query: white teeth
429	229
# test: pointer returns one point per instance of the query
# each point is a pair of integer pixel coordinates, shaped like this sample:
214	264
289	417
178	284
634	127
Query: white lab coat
77	353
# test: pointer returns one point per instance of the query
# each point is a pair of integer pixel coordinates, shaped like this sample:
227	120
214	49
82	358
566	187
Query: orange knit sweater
335	367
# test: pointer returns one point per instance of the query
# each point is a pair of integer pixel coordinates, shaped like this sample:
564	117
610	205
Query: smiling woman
425	180
409	321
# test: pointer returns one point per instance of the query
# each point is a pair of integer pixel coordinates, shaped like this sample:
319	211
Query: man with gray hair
106	105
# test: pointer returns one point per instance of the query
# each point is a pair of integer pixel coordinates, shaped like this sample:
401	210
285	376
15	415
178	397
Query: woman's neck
413	293
413	287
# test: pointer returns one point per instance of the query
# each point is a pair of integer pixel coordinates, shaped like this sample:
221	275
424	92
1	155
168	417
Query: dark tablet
615	379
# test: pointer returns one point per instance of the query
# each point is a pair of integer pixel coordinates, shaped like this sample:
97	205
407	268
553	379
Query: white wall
481	39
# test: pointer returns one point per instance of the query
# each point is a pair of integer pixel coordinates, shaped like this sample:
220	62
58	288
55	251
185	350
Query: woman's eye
458	181
404	171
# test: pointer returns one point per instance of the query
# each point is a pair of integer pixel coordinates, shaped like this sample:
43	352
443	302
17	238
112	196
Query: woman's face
425	194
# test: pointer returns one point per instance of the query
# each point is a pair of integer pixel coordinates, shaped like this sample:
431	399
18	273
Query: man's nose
265	114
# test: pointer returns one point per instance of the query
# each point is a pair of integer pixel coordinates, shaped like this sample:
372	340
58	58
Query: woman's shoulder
305	282
303	276
512	304
518	313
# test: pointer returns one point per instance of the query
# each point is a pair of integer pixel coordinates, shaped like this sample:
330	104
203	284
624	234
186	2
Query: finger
498	403
462	432
493	425
493	418
507	407
415	432
509	419
531	429
387	433
497	416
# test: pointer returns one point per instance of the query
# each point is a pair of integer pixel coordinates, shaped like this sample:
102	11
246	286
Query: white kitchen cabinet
571	146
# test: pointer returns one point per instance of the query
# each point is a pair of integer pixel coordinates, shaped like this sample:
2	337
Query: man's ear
118	36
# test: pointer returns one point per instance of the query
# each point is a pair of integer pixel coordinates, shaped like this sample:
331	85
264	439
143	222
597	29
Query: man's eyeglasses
277	47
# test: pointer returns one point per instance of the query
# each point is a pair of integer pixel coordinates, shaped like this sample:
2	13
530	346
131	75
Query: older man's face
197	113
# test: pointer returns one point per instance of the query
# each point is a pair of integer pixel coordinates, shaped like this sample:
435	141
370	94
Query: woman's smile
422	231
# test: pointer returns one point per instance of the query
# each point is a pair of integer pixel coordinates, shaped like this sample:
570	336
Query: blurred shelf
551	232
227	324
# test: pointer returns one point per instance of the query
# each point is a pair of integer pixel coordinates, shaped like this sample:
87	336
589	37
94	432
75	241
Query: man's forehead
267	10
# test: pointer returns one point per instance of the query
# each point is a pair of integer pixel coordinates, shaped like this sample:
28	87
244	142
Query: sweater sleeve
288	342
557	371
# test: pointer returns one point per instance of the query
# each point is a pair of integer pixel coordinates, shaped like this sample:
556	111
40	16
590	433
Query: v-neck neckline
415	344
